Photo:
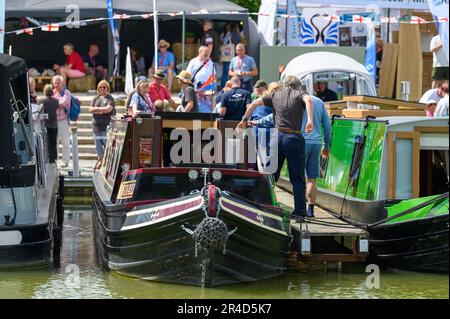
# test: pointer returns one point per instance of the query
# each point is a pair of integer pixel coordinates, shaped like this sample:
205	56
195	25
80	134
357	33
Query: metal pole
183	41
155	28
76	166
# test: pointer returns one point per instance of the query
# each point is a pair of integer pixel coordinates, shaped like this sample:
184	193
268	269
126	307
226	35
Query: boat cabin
170	155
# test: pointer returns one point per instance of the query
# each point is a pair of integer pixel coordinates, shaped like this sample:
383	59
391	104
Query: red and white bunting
389	20
417	20
442	19
229	12
263	14
50	27
174	14
146	16
121	16
332	17
360	19
28	31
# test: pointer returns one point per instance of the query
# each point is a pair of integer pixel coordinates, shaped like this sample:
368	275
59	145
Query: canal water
80	277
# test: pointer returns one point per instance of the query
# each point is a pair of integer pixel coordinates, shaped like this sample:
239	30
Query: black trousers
52	136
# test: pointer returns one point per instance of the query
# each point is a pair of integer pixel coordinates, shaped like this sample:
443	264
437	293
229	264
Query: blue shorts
312	160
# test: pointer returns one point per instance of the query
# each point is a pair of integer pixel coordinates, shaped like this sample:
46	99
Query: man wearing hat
258	89
159	94
166	62
189	102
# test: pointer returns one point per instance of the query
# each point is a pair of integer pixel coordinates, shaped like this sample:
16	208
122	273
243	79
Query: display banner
371	53
316	30
266	22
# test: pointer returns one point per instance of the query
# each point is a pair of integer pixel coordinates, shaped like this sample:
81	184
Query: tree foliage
251	5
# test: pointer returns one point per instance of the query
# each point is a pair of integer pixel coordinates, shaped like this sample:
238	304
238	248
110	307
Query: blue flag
115	35
371	51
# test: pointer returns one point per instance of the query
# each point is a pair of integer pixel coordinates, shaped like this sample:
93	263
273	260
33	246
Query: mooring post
76	170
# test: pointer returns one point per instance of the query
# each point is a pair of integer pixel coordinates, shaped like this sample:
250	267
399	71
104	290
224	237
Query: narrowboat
30	201
198	223
390	176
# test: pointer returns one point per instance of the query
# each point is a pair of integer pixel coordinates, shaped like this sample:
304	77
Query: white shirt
205	72
439	56
442	107
431	94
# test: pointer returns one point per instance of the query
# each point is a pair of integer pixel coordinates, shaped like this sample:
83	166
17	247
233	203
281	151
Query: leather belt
288	130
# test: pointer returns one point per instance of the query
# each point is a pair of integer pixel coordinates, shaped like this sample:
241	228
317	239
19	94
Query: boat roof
404	122
12	67
322	61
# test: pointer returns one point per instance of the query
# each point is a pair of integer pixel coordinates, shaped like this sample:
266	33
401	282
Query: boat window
169	186
434	177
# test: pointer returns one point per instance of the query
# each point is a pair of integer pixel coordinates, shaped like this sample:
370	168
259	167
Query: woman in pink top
74	67
63	96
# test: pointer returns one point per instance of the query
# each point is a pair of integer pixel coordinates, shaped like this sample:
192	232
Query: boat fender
212	202
211	233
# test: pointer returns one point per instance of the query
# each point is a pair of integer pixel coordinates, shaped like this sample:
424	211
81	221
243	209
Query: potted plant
190	37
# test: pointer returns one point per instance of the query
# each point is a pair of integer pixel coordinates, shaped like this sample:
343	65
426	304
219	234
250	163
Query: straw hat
159	75
163	43
185	77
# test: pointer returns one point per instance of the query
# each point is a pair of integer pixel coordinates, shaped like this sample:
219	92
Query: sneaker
310	211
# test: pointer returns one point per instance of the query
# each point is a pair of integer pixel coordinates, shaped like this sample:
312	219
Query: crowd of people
301	119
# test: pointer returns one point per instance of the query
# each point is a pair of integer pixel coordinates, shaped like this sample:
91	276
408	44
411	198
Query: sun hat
185	77
159	75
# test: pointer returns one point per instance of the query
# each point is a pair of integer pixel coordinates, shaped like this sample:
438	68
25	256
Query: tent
45	48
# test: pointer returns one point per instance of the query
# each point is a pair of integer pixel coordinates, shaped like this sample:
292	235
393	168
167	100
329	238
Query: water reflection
78	258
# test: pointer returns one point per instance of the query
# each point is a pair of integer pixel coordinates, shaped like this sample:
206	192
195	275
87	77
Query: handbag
227	52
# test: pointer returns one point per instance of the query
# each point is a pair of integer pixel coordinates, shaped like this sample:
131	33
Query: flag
2	24
332	17
28	31
209	85
389	20
417	20
371	53
128	73
360	19
50	27
442	19
121	16
115	36
293	28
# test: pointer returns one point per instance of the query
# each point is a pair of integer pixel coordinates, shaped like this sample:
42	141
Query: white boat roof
407	123
322	61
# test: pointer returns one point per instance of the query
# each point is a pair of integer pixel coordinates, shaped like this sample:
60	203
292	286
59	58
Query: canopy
97	8
11	68
314	62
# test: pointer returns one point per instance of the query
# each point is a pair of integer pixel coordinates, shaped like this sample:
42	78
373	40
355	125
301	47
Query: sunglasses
102	87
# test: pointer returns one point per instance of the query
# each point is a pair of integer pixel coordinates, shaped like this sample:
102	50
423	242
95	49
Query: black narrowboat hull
35	249
166	252
418	245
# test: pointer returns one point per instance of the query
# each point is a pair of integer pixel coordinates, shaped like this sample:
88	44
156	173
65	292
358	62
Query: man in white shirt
435	94
201	67
440	61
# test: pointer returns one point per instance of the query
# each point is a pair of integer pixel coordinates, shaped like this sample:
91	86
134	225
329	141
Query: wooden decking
324	238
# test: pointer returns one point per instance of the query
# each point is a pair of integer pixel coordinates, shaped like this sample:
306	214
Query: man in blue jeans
315	146
289	105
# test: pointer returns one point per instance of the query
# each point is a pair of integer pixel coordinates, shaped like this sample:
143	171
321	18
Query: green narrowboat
389	175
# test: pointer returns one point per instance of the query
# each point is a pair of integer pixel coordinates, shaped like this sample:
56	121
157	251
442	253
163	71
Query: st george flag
360	19
50	27
417	20
389	20
332	17
28	31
